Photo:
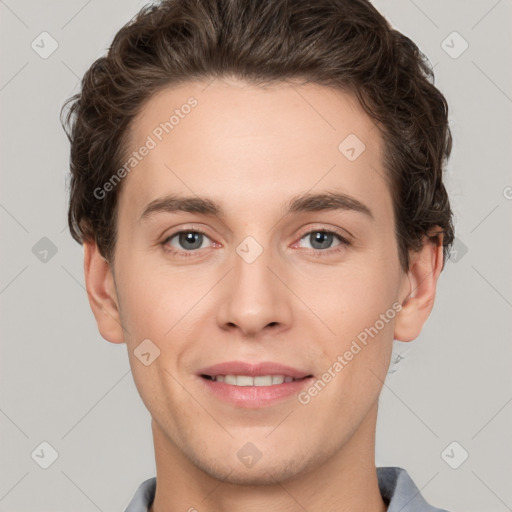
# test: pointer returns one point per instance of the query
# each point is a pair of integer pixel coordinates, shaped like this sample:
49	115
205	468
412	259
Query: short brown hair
344	44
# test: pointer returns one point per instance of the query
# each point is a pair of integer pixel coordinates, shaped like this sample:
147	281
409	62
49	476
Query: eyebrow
307	202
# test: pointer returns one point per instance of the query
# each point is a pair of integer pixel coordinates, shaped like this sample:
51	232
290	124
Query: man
258	188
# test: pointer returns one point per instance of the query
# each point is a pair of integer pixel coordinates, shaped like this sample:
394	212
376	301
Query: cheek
353	297
153	299
360	310
154	307
158	304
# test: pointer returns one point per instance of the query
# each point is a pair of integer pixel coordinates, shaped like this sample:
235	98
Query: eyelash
316	252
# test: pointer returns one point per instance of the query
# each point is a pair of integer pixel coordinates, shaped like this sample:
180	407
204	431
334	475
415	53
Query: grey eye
188	240
320	239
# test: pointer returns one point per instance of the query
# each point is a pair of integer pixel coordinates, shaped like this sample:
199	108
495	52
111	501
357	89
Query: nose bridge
251	272
255	297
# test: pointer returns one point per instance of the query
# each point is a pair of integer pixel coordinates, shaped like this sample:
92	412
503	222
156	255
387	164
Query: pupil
321	237
188	238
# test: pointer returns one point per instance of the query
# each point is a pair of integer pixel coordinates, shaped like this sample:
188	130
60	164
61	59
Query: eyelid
193	228
344	235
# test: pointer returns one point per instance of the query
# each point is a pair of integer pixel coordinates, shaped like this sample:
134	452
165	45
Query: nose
255	298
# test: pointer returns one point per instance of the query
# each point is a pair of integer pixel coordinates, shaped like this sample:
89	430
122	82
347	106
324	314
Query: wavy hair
344	44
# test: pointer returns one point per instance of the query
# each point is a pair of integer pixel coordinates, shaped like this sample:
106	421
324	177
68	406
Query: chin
262	473
262	476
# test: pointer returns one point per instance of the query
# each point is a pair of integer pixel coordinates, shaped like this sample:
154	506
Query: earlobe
101	291
424	269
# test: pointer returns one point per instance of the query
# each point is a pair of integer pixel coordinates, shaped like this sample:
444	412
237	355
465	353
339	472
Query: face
281	260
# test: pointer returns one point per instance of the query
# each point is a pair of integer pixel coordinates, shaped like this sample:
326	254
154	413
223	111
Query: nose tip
255	299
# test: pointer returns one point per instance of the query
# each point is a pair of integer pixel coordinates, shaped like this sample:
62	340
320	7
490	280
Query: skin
251	149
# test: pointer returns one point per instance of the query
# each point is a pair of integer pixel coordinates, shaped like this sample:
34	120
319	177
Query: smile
248	380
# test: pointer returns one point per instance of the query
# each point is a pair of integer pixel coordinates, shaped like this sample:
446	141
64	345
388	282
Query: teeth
228	379
277	379
262	380
244	380
247	380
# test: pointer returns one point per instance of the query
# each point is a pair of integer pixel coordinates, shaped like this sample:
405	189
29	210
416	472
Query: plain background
61	383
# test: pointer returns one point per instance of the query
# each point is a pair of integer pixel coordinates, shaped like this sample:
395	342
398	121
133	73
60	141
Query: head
278	122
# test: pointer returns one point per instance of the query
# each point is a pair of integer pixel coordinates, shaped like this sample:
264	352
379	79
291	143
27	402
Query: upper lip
253	369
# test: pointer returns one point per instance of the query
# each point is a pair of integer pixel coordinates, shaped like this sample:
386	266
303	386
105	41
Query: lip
253	369
254	397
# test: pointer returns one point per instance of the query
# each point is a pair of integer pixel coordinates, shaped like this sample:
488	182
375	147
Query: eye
184	241
322	239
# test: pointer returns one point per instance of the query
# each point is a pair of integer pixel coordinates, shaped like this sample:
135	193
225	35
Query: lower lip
255	396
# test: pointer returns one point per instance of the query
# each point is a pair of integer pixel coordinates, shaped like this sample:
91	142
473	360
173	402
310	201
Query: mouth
259	380
248	385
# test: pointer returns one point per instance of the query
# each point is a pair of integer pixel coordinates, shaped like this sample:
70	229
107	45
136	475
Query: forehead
252	145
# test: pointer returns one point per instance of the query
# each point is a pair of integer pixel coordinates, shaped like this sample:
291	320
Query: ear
417	302
101	291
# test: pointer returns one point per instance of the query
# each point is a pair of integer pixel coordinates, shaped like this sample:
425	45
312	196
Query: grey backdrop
447	398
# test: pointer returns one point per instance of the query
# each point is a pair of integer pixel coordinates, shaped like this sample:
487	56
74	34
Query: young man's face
262	285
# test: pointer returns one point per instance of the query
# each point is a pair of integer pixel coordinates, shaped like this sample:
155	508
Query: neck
345	481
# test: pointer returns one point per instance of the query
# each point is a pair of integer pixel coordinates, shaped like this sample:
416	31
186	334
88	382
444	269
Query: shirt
396	488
